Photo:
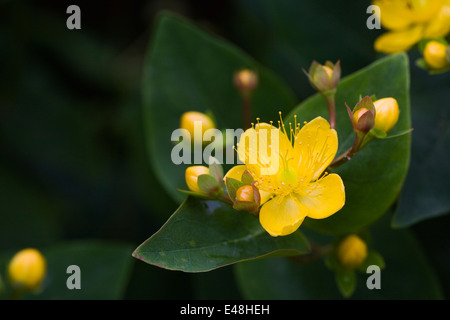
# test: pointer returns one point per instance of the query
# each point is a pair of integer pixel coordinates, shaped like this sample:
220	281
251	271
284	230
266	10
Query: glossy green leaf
189	69
426	191
346	281
204	235
408	273
374	177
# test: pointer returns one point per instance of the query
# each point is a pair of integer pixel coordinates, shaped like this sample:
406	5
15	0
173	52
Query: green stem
349	154
331	109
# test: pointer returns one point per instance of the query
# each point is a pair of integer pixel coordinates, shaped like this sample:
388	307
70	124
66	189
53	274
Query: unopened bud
351	252
246	81
387	113
27	270
324	78
247	199
436	55
193	119
191	176
245	193
363	115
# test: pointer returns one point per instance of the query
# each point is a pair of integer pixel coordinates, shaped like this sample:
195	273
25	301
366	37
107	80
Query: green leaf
378	133
189	69
408	273
216	170
205	235
425	193
208	184
373	258
346	281
232	186
374	177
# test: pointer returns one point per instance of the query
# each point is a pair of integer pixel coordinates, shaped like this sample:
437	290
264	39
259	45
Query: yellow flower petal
314	148
425	10
265	196
260	149
394	15
439	26
324	197
398	41
282	215
235	172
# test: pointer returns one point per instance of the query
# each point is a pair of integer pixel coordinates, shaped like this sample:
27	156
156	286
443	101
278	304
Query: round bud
351	252
435	55
245	193
387	113
194	119
191	176
27	269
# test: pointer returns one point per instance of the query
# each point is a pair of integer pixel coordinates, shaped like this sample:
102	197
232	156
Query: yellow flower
352	251
410	21
27	270
435	55
294	186
191	176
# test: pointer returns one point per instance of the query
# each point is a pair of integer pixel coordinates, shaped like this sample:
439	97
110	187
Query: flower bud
27	270
196	123
351	252
247	199
191	176
246	81
324	78
245	193
387	113
363	115
435	55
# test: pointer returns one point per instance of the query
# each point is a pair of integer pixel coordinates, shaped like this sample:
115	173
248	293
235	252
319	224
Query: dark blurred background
73	163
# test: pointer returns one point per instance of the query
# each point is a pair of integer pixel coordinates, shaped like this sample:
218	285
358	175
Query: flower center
287	177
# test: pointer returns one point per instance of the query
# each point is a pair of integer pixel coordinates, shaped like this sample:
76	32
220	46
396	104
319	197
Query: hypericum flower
436	55
410	21
295	186
352	251
191	176
27	270
191	120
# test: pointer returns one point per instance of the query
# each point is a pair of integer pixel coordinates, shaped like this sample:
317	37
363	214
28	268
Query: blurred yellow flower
435	55
296	187
409	21
352	252
27	269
